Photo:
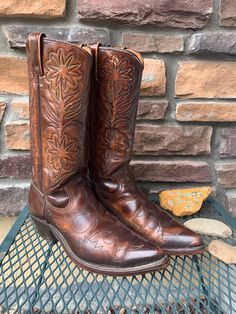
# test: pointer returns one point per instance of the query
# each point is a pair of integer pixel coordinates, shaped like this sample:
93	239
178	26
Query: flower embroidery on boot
117	144
62	152
115	107
66	87
63	70
117	74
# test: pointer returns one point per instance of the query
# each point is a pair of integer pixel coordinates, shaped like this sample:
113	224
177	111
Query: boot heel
43	229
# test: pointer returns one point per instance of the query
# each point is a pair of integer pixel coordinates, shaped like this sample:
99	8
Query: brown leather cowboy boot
62	205
118	84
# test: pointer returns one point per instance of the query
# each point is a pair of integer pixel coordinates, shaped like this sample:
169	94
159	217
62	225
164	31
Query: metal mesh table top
38	277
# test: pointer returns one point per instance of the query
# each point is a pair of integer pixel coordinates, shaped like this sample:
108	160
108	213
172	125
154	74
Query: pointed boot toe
182	242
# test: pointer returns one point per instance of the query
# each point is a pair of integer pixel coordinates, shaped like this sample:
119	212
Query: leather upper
91	231
60	79
132	206
118	85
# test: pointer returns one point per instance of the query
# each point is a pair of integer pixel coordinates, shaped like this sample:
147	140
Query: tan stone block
17	135
227	13
206	79
2	110
171	171
172	140
227	147
20	109
218	112
226	173
153	43
13	75
151	110
37	8
154	78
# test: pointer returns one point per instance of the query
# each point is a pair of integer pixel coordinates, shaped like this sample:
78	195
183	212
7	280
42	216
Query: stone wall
186	130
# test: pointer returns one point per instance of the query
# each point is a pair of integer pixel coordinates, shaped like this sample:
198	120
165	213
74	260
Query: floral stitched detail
117	144
62	152
117	74
63	70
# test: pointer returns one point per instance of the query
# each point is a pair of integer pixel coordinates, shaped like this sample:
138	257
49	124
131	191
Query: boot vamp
97	236
134	208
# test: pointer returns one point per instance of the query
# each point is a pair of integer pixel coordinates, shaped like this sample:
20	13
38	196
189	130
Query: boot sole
185	251
50	233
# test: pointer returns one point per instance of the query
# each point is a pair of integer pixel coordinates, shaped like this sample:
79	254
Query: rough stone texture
213	42
171	171
218	112
13	75
20	109
223	251
151	110
211	227
184	202
228	143
12	200
17	167
175	13
154	78
226	174
206	79
153	43
227	13
17	135
18	34
231	197
2	110
172	140
37	8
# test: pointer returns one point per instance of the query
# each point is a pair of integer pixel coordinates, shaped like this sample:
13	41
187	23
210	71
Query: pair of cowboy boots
82	192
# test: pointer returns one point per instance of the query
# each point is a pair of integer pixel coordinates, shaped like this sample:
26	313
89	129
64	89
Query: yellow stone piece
184	202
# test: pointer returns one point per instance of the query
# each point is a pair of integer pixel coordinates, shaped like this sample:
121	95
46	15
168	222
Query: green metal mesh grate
37	277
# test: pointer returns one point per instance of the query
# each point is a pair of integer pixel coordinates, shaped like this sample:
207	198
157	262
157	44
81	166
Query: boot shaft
118	79
59	80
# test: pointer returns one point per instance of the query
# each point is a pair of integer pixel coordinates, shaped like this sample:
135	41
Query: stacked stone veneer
186	130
